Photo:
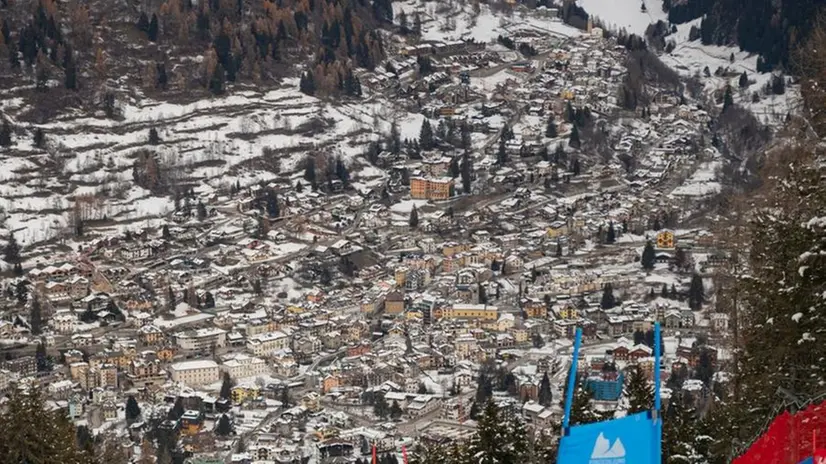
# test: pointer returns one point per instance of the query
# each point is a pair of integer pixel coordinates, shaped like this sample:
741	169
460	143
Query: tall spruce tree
648	256
550	129
574	141
499	438
728	99
33	433
226	387
426	135
637	391
414	218
545	394
5	134
133	411
582	411
12	251
696	293
679	433
36	315
608	299
224	427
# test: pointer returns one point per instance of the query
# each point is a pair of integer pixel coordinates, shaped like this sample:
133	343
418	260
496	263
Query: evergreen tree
224	427
545	397
380	407
608	300
152	31
12	251
679	432
143	22
575	167
39	138
696	293
664	291
498	439
574	141
550	129
44	363
558	249
570	114
14	58
170	300
648	256
426	135
309	171
395	410
165	233
744	80
177	410
465	136
33	433
154	139
502	153
21	291
217	81
417	23
403	22
133	411
414	218
36	316
728	100
307	83
507	132
285	397
5	134
163	79
394	144
778	85
71	76
680	259
202	212
611	236
582	411
637	391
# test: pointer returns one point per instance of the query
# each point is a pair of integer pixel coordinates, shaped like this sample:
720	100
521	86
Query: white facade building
264	344
242	366
195	373
201	339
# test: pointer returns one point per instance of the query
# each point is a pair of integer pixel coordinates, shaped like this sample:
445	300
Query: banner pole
658	422
657	354
569	394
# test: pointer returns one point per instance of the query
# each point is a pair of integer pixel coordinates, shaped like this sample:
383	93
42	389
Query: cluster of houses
344	316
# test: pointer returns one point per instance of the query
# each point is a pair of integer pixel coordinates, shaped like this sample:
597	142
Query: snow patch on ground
628	14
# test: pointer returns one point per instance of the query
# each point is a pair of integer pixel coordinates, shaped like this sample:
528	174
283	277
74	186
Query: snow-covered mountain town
354	232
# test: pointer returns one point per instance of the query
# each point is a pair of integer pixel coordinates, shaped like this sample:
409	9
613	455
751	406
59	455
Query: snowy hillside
690	58
627	14
459	20
210	143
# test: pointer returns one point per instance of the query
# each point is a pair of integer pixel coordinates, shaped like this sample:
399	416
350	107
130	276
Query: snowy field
457	20
627	14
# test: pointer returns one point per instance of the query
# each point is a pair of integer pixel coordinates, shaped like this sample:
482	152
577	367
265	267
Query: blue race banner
807	461
629	440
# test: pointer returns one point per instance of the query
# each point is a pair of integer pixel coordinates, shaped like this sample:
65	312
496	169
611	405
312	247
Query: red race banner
790	438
